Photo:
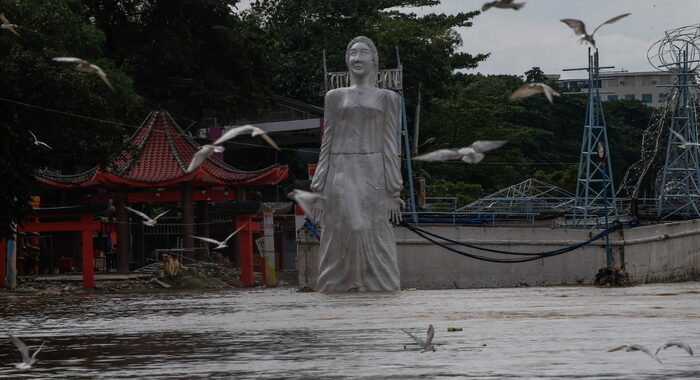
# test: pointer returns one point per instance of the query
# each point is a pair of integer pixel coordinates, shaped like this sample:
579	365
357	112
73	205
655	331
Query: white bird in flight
253	130
221	244
27	361
580	28
202	154
7	25
530	89
472	154
37	142
307	200
503	4
426	345
685	144
676	343
207	150
147	219
86	67
636	347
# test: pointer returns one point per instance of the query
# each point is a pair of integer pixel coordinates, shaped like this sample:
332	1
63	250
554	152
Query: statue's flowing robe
359	172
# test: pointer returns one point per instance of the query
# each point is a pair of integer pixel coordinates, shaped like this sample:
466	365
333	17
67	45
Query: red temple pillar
3	262
88	260
122	231
188	219
245	251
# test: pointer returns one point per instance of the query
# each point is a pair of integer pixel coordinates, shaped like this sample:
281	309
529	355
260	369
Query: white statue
359	174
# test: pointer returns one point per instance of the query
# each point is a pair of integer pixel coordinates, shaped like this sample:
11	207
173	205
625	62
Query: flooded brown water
553	332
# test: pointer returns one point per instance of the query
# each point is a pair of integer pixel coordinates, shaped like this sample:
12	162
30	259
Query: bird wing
524	91
33	135
208	240
417	339
486	145
680	137
440	155
233	132
161	214
577	25
548	92
71	59
139	213
232	233
618	348
487	6
430	335
637	347
4	19
21	347
675	343
37	350
102	75
200	157
44	144
305	199
610	21
269	140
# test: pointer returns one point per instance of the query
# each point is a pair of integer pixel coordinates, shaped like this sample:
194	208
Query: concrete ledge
654	253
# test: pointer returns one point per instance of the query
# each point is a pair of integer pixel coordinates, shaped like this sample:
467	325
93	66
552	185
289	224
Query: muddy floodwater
552	332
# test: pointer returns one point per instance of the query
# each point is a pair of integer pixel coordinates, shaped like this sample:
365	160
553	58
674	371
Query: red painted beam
88	260
245	251
60	226
166	196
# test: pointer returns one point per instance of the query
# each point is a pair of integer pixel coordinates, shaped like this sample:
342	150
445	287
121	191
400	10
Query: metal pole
407	150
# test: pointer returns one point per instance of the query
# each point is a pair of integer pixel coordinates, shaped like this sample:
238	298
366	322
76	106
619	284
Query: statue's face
360	58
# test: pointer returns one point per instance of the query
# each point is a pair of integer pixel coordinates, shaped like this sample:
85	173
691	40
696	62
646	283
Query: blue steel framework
595	190
679	191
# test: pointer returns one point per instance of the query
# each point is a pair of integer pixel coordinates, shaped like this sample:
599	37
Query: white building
629	85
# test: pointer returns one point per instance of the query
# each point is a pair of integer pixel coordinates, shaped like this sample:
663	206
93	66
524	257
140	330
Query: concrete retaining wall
654	253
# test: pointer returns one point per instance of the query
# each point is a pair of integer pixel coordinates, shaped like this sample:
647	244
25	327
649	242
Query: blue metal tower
679	192
595	190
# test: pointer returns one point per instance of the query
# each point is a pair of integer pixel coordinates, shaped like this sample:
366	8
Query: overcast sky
534	36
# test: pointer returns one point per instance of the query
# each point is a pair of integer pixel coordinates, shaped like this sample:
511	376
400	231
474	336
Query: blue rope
310	226
532	256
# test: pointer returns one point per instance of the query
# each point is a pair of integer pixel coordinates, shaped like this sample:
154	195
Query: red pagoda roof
163	152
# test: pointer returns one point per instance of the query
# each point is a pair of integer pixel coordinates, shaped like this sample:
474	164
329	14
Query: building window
629	97
647	98
662	97
612	97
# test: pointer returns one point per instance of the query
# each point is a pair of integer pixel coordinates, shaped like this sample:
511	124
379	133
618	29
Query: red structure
156	171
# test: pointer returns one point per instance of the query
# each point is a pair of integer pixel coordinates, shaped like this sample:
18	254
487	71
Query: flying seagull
307	200
636	347
530	89
37	142
253	130
202	154
580	28
472	154
86	67
676	343
221	244
684	143
7	25
428	344
503	4
27	361
147	219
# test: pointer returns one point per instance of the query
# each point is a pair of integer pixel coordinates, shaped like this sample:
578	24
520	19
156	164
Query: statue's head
361	58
